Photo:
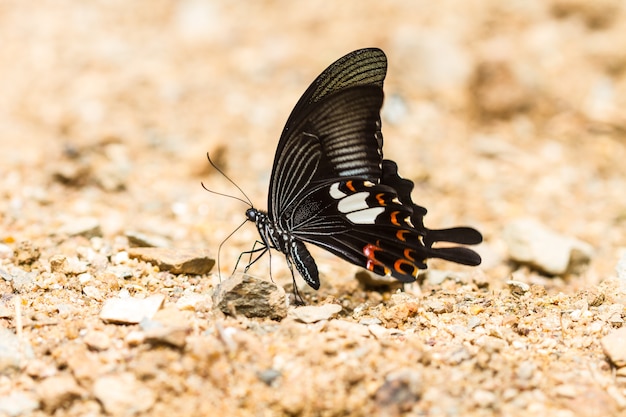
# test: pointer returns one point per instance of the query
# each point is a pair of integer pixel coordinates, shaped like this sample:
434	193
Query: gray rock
531	243
176	261
312	314
123	395
130	310
250	296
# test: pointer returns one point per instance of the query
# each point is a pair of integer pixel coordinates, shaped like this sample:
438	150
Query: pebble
518	288
375	281
65	265
312	314
157	333
13	353
193	301
401	389
614	347
17	404
87	227
250	296
130	310
145	240
531	243
92	292
123	395
349	327
176	261
23	282
58	391
97	340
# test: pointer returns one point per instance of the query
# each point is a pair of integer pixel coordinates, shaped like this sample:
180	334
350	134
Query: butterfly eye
252	214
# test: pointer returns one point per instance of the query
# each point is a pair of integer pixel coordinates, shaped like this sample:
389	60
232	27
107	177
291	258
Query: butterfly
331	187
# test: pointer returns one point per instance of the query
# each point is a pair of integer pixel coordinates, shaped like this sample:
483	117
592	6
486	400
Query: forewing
341	112
338	138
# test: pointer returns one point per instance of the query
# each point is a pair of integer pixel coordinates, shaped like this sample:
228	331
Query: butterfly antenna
219	248
246	201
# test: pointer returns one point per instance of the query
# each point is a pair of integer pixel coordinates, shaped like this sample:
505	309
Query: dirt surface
497	110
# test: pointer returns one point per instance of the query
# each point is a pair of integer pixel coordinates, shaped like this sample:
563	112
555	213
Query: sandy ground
497	110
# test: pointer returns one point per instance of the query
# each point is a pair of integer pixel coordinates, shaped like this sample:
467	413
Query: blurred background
497	110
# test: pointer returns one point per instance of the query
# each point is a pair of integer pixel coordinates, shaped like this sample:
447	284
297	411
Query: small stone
614	347
168	335
123	395
268	376
518	288
438	306
92	292
13	352
58	263
87	227
531	243
193	301
26	253
483	398
135	338
176	261
375	281
97	340
145	240
18	404
58	391
400	391
130	310
312	314
349	328
250	296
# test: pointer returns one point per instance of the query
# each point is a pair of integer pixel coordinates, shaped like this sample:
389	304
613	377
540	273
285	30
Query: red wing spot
350	186
372	263
400	263
400	235
408	254
380	199
394	218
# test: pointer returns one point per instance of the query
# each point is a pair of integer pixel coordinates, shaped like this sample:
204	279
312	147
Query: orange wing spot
394	218
350	186
401	262
400	235
408	253
380	199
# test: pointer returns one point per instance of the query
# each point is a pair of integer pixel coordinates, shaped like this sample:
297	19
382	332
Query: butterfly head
252	214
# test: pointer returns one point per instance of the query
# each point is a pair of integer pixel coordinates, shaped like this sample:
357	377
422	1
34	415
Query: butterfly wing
337	116
331	187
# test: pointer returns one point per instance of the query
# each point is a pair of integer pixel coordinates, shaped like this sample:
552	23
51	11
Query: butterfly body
331	187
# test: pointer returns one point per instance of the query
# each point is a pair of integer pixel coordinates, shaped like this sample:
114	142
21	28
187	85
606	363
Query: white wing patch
365	216
335	192
353	202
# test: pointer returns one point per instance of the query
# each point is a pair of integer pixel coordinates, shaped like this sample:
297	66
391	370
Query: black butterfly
331	187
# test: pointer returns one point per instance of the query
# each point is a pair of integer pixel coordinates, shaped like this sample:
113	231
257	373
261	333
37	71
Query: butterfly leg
254	250
296	294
